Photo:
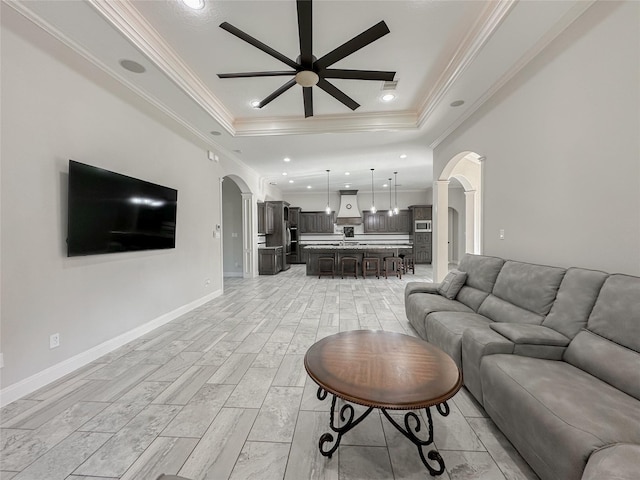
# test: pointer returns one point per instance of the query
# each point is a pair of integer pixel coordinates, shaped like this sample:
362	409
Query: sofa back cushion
610	346
575	300
523	293
482	272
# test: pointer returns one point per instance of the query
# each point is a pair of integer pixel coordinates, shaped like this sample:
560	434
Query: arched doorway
465	168
238	213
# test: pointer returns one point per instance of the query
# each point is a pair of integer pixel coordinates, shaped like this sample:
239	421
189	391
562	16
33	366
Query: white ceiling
442	51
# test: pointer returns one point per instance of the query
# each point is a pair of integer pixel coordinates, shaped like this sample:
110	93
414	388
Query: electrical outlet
207	282
54	340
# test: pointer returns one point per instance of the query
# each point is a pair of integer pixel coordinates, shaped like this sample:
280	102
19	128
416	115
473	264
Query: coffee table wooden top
383	369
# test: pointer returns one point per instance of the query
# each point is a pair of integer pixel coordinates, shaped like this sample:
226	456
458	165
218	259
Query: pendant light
328	209
390	209
373	194
395	210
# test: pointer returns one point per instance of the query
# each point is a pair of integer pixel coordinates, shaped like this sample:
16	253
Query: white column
249	243
440	229
470	219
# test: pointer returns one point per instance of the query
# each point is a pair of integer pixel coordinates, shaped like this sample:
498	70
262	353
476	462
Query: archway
238	205
466	168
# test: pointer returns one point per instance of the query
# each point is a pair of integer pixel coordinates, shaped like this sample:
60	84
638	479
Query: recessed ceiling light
284	173
195	4
404	155
255	103
385	185
308	186
457	103
132	66
286	159
347	185
387	97
347	173
290	181
216	133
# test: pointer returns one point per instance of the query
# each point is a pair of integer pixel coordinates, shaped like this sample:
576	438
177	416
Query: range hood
349	212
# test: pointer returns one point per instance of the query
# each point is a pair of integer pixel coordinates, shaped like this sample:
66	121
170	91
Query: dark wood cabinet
270	260
382	222
294	216
265	218
422	241
316	222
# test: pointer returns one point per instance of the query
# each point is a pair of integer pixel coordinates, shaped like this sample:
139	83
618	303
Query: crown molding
370	122
128	21
491	18
576	11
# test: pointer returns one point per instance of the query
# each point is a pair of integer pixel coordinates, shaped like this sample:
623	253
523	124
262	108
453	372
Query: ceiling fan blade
255	74
338	94
357	74
258	44
278	92
356	43
307	95
305	33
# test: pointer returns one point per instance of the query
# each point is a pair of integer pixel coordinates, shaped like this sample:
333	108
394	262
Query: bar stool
392	266
326	266
408	263
370	265
348	262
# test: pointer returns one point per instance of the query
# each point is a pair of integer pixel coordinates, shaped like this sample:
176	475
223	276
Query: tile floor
221	393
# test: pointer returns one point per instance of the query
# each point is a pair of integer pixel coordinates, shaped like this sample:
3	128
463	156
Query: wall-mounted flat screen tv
110	212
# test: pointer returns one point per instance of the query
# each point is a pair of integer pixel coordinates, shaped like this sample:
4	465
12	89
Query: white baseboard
233	274
59	370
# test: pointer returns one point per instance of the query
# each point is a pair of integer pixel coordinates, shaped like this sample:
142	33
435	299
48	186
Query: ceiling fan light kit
308	71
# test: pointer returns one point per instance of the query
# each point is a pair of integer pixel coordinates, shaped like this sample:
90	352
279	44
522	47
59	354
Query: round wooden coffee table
384	370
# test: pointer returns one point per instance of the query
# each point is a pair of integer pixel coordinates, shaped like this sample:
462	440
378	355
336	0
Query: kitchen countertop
357	247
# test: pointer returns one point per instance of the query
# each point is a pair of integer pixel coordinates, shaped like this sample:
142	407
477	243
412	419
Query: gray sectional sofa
552	354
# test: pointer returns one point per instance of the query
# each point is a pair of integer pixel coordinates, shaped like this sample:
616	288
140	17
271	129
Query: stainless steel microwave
422	226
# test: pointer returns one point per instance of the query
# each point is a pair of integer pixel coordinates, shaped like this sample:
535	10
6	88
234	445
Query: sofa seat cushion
445	329
546	406
420	305
614	462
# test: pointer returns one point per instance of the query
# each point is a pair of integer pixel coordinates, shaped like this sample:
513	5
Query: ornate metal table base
412	425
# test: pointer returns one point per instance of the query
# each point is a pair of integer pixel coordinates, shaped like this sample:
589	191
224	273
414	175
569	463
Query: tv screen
110	212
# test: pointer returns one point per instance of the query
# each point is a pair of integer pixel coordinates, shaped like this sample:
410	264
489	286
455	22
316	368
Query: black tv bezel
170	193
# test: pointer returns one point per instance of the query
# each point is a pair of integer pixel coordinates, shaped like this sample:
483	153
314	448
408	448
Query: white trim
34	382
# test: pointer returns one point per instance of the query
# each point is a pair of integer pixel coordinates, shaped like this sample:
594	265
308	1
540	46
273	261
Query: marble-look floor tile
291	372
253	343
215	455
468	405
194	419
305	459
463	465
233	369
277	418
113	418
186	386
252	389
300	343
453	432
164	455
282	334
367	433
28	448
175	367
261	461
144	392
364	463
9	412
310	400
65	457
109	391
123	449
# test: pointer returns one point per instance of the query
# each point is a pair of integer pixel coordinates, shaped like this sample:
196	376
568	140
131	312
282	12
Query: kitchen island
359	251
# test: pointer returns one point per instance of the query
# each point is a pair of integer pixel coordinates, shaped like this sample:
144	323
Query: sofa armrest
526	334
533	340
420	287
619	461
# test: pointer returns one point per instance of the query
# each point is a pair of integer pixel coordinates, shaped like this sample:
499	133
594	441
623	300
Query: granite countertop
357	247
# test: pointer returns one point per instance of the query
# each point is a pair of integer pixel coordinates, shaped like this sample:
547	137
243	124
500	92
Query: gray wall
56	106
562	173
231	229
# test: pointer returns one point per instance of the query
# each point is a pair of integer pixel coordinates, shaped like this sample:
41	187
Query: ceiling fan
309	71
